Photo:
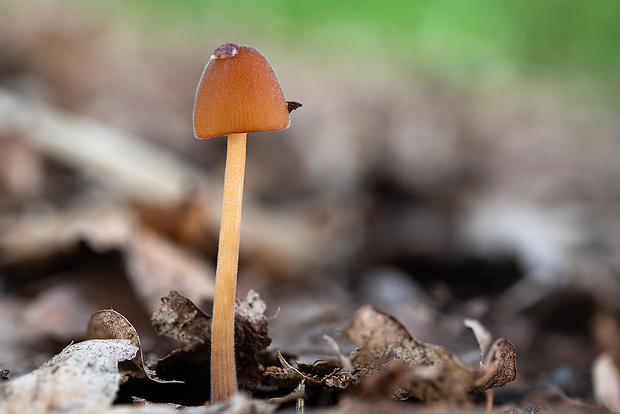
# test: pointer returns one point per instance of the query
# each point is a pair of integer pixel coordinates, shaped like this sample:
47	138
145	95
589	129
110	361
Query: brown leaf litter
179	319
427	372
390	363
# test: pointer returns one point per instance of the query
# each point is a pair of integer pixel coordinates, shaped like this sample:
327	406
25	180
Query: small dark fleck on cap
292	105
225	51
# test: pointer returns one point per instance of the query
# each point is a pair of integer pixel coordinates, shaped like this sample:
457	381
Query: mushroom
238	93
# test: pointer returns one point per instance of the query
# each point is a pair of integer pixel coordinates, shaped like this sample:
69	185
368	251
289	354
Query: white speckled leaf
83	378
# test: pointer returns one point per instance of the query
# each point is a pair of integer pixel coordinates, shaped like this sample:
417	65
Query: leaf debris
84	377
109	324
390	363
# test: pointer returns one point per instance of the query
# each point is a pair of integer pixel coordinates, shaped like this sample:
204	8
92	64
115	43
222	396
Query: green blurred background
571	43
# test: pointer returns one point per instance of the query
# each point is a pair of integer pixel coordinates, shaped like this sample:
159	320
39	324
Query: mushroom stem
223	372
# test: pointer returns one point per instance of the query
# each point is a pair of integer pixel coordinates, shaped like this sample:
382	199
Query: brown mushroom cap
238	92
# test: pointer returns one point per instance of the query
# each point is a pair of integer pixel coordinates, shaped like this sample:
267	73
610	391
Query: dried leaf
84	377
499	367
378	333
250	339
427	372
483	336
180	319
109	324
344	361
327	374
288	372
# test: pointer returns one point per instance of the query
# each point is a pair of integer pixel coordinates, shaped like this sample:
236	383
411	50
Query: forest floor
391	215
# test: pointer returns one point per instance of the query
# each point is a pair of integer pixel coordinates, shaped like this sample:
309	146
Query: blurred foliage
459	40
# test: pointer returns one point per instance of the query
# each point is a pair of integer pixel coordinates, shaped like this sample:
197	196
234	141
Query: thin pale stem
223	372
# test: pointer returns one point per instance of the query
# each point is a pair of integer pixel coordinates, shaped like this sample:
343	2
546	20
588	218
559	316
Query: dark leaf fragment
180	319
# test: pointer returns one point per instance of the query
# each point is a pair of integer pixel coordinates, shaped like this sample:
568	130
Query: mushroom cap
238	92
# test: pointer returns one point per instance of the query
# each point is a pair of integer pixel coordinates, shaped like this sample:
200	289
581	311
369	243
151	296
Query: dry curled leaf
83	378
498	368
109	324
483	336
427	372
